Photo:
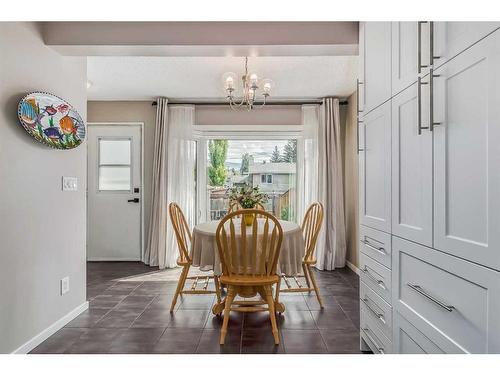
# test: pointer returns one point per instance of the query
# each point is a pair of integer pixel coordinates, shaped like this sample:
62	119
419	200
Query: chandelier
250	84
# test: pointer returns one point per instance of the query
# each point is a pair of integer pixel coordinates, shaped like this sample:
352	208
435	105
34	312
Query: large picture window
270	165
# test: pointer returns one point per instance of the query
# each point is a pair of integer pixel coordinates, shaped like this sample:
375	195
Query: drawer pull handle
380	283
381	250
420	290
379	316
367	333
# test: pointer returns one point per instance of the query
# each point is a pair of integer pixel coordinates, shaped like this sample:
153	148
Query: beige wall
270	115
351	181
43	229
136	111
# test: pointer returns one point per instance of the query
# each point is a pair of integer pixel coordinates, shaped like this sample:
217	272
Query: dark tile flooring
133	317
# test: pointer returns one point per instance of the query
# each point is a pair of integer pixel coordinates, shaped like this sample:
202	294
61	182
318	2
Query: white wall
42	229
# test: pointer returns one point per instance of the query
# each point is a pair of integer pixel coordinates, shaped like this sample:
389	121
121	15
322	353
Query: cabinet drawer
376	276
453	302
376	244
409	340
373	336
380	310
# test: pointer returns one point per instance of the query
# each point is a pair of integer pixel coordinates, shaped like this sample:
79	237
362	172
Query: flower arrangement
247	196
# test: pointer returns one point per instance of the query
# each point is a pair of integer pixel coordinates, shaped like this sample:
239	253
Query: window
268	164
266	178
114	164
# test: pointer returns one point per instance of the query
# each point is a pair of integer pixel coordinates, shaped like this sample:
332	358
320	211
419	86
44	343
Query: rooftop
273	168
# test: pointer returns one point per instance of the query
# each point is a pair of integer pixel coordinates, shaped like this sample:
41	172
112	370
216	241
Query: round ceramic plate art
51	120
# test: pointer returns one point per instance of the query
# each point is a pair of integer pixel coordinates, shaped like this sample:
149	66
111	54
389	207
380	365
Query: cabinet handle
431	100
420	290
379	316
419	46
431	44
419	106
380	283
380	249
379	347
358	111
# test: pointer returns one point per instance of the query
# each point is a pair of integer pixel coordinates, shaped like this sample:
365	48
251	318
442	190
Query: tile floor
133	317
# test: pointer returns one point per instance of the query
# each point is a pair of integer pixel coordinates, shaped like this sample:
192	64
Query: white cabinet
409	340
453	302
375	53
375	169
451	38
467	154
404	55
411	168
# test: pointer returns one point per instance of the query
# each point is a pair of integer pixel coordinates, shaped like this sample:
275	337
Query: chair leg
217	288
227	310
316	289
306	275
277	298
270	303
180	286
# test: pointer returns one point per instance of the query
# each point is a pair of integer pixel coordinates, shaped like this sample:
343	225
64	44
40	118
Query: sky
261	150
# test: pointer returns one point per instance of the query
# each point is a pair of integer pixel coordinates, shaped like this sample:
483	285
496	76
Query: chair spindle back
250	251
182	231
311	225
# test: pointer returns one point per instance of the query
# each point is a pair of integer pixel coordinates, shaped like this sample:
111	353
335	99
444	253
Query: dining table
205	255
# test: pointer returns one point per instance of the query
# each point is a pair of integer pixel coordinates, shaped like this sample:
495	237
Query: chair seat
249	280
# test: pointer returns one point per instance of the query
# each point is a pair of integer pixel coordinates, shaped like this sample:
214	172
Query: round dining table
205	255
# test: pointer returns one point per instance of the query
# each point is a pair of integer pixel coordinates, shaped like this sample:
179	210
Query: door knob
135	200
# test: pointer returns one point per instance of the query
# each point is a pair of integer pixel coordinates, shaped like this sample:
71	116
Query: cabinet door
411	169
377	64
453	302
375	169
451	38
467	154
404	55
409	340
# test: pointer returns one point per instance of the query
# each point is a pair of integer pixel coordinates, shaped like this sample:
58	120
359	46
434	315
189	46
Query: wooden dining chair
249	257
184	238
311	225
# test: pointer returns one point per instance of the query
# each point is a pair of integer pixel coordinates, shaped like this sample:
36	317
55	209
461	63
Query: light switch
69	184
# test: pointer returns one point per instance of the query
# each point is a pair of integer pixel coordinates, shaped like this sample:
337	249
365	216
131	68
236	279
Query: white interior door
114	193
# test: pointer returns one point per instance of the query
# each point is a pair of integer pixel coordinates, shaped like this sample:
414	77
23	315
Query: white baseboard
352	267
94	259
46	333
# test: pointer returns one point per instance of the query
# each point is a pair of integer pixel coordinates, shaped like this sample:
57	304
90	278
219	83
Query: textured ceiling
143	78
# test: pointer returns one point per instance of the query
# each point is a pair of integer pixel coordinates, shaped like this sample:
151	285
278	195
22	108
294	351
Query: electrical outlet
69	183
64	285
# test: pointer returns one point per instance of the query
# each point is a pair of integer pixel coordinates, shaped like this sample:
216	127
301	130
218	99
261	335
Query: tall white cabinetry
429	130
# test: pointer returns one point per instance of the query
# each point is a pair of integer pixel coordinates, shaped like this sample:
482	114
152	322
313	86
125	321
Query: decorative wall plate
51	120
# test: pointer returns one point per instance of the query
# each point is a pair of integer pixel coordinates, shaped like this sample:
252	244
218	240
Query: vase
248	219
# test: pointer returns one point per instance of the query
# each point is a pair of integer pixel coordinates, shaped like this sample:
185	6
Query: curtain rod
342	102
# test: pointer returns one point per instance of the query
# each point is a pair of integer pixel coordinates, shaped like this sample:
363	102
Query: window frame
99	164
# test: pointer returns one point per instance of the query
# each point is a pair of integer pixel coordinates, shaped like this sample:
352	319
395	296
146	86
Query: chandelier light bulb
244	93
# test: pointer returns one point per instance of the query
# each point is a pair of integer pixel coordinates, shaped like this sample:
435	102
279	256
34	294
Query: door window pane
114	151
114	178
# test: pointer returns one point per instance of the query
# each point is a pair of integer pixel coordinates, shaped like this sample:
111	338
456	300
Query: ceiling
144	78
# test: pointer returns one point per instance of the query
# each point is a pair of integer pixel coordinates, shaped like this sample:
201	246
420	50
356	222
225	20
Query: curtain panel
174	161
322	179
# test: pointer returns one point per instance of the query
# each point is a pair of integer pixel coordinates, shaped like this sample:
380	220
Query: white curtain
173	180
322	179
181	186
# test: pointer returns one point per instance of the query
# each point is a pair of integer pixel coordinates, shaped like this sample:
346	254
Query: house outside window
266	178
